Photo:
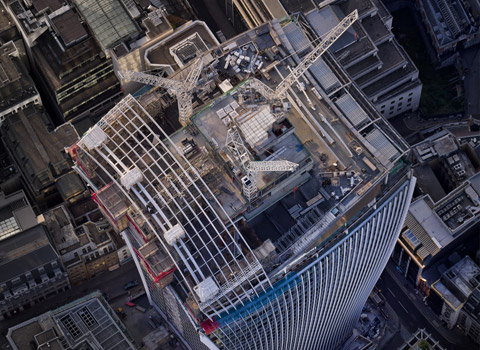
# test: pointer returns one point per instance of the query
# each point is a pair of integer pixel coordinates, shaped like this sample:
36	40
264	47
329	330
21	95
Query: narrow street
406	305
108	282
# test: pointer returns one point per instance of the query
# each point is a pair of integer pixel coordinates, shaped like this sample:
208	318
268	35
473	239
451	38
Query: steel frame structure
182	87
173	194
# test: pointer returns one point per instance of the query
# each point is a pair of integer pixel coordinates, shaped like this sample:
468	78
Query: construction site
277	155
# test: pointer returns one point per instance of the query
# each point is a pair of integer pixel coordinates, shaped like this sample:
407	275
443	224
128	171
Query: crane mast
182	89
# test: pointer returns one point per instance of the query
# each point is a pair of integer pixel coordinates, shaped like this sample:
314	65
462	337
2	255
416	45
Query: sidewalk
450	335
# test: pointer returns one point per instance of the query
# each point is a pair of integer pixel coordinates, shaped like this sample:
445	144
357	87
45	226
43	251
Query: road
471	62
108	282
410	316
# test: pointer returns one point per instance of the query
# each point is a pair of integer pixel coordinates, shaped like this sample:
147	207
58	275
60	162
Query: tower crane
251	168
235	142
280	91
181	86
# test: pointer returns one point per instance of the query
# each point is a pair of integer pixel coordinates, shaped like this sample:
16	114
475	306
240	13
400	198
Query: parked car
130	284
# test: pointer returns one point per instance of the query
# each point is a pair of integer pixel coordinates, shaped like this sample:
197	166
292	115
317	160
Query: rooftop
432	232
61	64
448	20
455	285
376	29
108	20
69	28
8	30
325	19
69	185
24	252
364	7
41	5
88	322
15	83
443	164
160	54
39	147
16	214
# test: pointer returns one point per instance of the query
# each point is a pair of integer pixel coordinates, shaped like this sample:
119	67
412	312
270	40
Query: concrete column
408	264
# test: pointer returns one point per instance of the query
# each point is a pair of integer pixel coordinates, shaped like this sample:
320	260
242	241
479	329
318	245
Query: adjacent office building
288	268
30	271
17	90
74	72
452	25
85	323
86	250
444	216
455	297
37	150
368	52
16	214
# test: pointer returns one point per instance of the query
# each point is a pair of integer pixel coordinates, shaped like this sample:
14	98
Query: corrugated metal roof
297	38
351	109
324	75
381	144
428	246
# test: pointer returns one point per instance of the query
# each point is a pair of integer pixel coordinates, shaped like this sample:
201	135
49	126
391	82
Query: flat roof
40	5
376	28
24	252
160	52
85	322
325	19
108	20
69	185
16	84
431	223
36	143
69	27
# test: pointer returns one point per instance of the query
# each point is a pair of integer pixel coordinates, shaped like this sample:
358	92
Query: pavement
414	314
108	282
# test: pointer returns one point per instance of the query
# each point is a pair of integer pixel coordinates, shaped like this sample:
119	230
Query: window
87	317
8	227
410	94
391	108
71	326
400	104
401	98
409	100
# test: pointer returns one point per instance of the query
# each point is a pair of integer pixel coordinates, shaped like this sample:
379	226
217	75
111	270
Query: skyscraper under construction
265	222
